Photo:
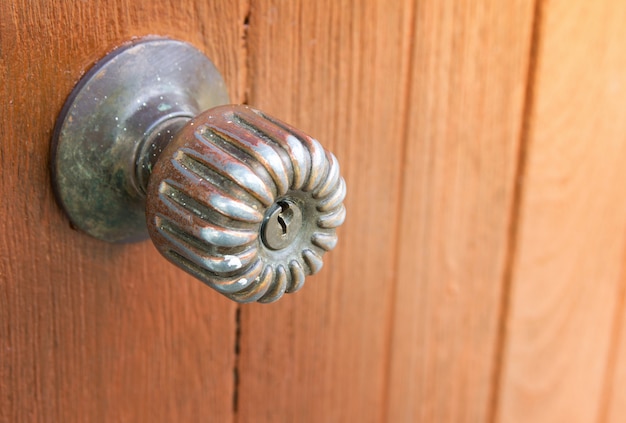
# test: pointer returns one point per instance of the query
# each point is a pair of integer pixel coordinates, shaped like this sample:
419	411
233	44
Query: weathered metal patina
241	200
246	203
119	115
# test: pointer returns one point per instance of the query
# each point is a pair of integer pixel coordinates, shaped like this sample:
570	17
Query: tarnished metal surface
114	124
240	200
245	203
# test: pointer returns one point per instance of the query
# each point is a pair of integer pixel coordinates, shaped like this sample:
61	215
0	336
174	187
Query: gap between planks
244	90
409	53
516	208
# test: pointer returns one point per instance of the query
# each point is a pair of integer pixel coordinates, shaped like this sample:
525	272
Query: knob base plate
115	123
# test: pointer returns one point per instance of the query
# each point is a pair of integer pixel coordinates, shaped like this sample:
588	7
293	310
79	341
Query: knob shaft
245	203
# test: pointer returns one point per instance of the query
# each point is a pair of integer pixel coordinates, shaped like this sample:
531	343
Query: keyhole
285	216
282	224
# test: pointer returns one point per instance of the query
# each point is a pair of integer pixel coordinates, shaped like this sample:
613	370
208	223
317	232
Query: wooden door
479	275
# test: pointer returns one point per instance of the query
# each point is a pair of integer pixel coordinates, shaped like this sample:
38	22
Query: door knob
145	145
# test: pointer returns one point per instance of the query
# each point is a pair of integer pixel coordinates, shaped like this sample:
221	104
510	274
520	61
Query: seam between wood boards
244	87
612	356
516	211
236	351
409	54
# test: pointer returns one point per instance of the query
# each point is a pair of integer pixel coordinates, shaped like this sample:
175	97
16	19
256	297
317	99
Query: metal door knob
245	203
242	201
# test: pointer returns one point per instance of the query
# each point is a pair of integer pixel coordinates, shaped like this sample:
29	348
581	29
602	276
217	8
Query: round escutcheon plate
122	103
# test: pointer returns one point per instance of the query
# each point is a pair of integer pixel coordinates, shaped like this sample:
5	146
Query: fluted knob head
245	203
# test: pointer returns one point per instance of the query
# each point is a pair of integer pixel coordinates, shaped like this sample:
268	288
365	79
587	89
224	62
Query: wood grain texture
468	80
569	260
423	103
91	332
339	71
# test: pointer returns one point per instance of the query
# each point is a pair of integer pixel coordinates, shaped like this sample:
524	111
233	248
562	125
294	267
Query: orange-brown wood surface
339	70
468	81
91	332
568	277
480	275
613	405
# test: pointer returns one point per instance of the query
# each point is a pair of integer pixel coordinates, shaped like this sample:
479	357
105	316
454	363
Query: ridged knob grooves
214	187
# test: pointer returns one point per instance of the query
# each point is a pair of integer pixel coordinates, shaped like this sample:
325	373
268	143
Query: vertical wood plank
569	261
468	79
338	70
91	332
